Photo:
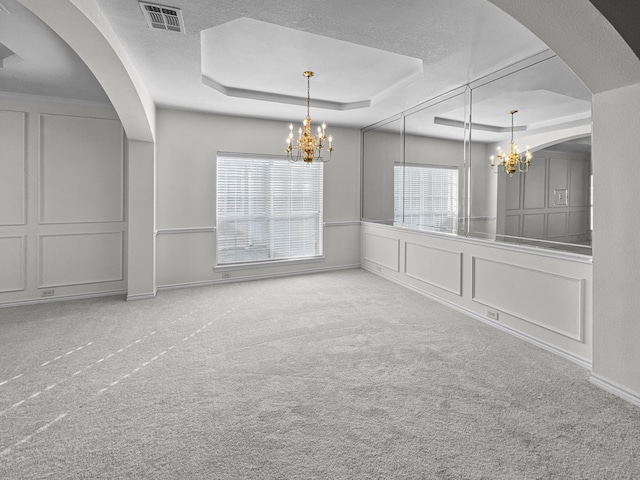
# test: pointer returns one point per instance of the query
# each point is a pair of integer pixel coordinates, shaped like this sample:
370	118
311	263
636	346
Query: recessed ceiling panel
237	61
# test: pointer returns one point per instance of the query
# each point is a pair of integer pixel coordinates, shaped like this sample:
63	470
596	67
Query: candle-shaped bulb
291	127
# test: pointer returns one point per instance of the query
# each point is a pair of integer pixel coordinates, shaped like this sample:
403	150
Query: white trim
171	231
580	306
455	291
62	298
531	250
250	278
347	223
583	362
615	388
141	296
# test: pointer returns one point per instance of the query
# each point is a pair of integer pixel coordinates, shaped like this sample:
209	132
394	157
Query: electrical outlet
492	314
226	275
47	293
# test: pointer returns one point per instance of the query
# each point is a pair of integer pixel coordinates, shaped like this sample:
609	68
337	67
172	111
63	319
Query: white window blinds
426	196
267	209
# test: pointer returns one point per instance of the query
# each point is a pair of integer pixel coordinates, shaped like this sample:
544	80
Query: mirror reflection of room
550	204
429	168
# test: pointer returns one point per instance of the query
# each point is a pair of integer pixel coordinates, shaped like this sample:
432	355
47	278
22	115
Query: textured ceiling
623	15
372	58
456	41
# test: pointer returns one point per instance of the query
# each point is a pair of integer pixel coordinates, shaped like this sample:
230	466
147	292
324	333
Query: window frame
271	215
400	197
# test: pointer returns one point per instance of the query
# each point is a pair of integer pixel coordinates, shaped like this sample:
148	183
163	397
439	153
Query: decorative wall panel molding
383	251
437	267
13	169
81	170
533	225
512	225
551	301
13	261
80	258
557	224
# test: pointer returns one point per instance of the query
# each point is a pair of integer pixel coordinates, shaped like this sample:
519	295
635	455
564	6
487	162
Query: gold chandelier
309	147
514	160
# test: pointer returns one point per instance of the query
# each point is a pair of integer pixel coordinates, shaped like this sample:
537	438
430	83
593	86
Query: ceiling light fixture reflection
309	147
513	161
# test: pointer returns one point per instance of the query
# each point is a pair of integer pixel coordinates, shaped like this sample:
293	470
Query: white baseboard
62	298
583	362
618	390
249	278
141	296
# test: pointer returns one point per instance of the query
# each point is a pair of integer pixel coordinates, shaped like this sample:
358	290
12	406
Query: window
426	196
268	209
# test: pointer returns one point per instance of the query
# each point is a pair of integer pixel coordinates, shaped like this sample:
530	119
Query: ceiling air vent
162	17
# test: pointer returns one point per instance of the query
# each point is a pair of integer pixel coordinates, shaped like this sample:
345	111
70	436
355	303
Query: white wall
616	143
187	144
62	200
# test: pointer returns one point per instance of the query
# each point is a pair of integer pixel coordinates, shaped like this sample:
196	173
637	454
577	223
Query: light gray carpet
340	375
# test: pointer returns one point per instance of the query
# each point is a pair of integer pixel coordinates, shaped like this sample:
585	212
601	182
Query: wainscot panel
557	225
81	169
13	168
438	267
80	258
384	251
12	259
539	295
556	305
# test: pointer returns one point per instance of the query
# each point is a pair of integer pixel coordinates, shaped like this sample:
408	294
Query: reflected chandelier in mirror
514	160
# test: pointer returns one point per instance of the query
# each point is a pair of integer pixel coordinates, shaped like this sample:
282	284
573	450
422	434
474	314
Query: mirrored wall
428	168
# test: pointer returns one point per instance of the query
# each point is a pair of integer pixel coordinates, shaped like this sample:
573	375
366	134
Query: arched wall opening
80	24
